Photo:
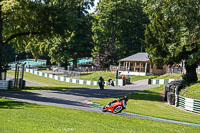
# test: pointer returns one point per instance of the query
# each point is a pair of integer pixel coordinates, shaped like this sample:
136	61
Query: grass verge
94	76
170	76
18	117
192	91
149	103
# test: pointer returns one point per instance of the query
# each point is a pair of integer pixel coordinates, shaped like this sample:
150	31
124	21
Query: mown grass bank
192	91
149	103
94	76
18	117
169	76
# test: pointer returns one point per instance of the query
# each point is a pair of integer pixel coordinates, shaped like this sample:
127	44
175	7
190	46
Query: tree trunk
66	64
75	63
191	74
1	39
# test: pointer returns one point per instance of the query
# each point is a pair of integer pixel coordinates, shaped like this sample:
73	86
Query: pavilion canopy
136	57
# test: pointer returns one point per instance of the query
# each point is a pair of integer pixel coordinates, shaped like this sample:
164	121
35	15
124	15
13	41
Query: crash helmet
126	98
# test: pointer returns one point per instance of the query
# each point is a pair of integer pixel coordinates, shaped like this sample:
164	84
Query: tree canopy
173	33
33	23
118	30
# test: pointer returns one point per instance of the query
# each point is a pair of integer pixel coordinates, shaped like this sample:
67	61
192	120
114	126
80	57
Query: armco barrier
4	84
189	104
118	82
160	81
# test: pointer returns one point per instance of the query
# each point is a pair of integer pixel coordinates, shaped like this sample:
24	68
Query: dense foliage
33	24
118	30
173	34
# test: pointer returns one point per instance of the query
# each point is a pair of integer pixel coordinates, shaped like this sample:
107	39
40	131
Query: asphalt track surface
80	98
74	98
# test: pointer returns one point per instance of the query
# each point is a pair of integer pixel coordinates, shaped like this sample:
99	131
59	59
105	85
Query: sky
95	3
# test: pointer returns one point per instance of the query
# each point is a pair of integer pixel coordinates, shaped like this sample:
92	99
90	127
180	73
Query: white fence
189	104
118	82
160	81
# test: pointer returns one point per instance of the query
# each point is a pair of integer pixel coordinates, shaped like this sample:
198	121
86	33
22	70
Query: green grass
52	83
192	91
169	76
17	117
94	76
136	78
149	103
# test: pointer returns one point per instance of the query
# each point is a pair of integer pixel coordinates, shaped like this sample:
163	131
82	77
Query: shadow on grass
8	104
146	95
69	97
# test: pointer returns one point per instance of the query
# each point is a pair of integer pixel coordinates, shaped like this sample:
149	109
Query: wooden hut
139	64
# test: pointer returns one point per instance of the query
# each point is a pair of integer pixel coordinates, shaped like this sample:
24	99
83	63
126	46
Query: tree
23	20
118	29
173	34
29	23
77	40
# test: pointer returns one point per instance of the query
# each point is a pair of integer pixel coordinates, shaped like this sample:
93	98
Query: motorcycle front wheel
118	109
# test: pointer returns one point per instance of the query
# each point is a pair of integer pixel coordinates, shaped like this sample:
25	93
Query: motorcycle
116	106
101	84
111	82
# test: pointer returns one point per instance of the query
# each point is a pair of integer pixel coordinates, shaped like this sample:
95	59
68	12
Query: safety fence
118	82
188	104
160	81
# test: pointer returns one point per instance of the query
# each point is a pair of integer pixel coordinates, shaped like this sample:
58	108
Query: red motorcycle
116	106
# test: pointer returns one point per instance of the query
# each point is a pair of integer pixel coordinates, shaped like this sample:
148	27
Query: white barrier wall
161	81
189	104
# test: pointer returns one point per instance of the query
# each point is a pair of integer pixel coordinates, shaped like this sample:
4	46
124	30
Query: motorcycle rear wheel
118	109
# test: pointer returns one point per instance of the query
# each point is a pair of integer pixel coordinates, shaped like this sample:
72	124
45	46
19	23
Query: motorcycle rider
101	83
121	104
110	82
119	99
126	99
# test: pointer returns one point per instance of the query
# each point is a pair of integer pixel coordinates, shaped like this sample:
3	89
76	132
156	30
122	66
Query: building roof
137	57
